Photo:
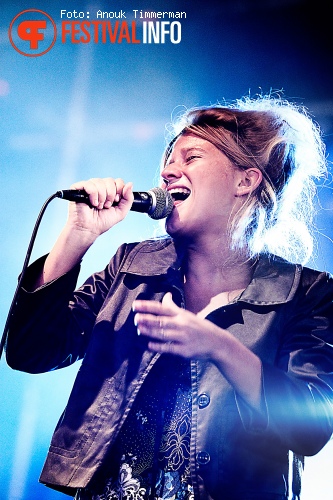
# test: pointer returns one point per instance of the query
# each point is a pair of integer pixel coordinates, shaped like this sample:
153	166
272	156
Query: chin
172	228
177	232
174	223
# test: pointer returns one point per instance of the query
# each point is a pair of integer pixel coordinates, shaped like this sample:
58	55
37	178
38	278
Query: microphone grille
163	203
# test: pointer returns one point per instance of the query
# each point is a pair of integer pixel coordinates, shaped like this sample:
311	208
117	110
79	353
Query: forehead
188	140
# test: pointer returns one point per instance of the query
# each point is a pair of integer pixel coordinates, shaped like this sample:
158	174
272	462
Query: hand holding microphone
112	199
156	202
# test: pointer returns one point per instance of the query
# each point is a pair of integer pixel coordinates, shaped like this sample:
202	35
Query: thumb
168	302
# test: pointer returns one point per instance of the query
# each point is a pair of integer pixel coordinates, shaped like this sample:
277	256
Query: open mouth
179	194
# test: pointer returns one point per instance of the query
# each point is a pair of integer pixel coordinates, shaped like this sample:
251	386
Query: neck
213	275
215	262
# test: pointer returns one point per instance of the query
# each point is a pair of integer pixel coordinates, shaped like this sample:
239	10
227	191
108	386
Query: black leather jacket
284	316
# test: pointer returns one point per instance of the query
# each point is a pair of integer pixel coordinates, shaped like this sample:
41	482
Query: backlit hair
280	139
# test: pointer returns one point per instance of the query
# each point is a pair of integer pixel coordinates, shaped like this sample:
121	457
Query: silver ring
161	329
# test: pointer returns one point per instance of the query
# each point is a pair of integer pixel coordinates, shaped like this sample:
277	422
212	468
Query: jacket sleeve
298	389
51	326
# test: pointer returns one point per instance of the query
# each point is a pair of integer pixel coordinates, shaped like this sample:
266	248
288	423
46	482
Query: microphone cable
24	268
157	203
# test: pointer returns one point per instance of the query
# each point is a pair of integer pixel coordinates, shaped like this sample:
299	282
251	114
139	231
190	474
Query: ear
249	180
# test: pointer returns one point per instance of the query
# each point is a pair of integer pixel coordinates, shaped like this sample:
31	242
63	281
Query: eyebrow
193	148
187	150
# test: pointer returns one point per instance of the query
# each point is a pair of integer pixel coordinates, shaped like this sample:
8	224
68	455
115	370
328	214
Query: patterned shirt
150	459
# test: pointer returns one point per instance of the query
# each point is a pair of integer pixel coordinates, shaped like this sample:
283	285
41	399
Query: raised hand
103	194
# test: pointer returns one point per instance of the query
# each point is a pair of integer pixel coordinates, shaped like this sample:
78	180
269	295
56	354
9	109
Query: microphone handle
142	200
77	195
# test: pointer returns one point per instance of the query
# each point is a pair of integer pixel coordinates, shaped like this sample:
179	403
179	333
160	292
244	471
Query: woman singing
207	361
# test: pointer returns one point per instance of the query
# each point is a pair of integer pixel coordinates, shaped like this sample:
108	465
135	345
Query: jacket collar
274	280
152	257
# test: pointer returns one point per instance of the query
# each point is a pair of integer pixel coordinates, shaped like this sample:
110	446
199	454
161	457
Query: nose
170	173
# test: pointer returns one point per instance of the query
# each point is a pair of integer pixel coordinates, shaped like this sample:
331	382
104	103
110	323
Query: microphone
156	202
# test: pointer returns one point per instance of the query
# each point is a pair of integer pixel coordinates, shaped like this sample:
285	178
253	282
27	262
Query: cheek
219	186
217	171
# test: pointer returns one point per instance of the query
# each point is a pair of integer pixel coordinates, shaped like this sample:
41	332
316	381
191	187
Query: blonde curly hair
279	138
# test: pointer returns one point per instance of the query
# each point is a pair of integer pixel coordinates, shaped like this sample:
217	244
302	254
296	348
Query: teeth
179	194
179	190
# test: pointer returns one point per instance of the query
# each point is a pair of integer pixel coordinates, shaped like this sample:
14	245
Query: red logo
32	32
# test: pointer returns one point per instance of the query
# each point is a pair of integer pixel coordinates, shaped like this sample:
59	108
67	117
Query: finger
102	191
153	326
90	188
126	197
95	188
119	186
164	347
111	191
